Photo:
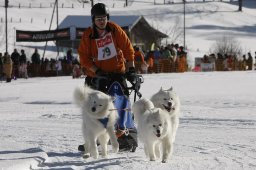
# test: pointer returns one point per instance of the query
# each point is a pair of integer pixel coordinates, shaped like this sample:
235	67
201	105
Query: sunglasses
99	19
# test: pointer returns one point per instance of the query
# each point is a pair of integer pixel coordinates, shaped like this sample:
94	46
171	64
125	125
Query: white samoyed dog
169	101
154	129
99	118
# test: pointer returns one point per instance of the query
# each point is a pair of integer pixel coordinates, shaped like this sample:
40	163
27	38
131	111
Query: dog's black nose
170	104
157	131
93	109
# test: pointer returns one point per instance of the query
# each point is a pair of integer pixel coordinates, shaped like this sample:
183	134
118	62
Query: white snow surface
40	126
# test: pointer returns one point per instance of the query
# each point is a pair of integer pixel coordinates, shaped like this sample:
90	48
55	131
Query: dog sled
126	131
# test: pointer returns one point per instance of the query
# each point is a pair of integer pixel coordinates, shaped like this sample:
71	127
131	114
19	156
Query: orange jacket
139	57
91	50
150	60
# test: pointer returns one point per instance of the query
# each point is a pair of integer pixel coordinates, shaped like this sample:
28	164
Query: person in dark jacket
23	65
15	56
35	58
23	57
249	61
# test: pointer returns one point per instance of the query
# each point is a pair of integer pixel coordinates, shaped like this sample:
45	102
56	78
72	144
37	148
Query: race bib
106	47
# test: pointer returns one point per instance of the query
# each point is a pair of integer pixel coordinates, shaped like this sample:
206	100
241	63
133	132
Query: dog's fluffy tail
140	107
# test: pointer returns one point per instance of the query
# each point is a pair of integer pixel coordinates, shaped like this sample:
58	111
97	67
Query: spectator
150	61
23	73
35	58
70	56
230	62
244	63
249	61
58	66
15	56
173	51
255	63
1	66
205	59
7	67
157	58
76	72
139	59
219	63
182	60
166	54
69	62
23	57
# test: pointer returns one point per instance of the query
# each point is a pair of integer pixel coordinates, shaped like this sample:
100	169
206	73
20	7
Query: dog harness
104	121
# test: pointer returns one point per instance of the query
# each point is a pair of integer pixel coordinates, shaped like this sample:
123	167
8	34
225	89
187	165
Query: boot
8	80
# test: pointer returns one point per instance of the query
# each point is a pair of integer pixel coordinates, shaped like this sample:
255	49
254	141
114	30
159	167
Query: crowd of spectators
171	58
228	62
17	65
164	59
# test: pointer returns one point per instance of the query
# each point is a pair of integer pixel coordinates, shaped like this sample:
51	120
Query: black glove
99	72
131	74
131	70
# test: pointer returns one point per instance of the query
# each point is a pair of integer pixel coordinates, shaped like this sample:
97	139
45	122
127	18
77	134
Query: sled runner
126	131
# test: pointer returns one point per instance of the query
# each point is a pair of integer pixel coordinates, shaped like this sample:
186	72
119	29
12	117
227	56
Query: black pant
102	83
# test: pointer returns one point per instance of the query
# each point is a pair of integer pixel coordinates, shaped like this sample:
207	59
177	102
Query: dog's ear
170	89
157	112
161	89
79	96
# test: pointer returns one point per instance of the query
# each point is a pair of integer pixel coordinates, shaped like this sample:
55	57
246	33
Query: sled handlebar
135	79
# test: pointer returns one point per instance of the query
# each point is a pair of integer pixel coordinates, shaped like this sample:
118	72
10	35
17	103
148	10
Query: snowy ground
206	23
40	127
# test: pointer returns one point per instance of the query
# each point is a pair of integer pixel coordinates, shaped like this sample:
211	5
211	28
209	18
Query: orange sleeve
124	43
84	50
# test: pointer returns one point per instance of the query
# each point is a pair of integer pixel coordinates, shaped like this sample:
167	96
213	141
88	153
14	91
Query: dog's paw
104	155
95	154
86	156
115	147
164	161
152	159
